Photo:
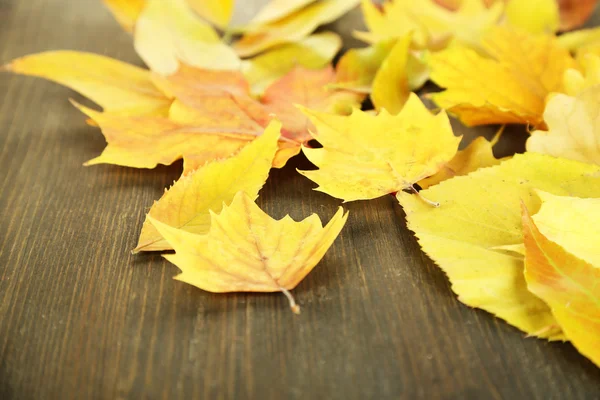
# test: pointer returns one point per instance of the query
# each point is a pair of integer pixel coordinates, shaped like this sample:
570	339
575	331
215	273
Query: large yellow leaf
479	214
245	250
574	127
187	204
569	285
168	32
114	85
478	154
292	28
219	12
391	88
126	12
572	223
366	156
431	24
314	52
510	86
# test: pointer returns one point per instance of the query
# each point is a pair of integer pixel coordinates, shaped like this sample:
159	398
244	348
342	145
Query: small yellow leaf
390	85
535	16
478	154
126	12
574	127
168	32
569	285
314	52
509	87
572	223
292	28
245	250
219	12
114	85
366	156
479	214
187	204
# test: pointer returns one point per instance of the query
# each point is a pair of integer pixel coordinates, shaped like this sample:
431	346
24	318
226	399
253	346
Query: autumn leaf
431	25
478	154
245	250
278	9
568	285
534	16
168	33
293	27
391	87
479	215
187	204
572	223
586	76
219	12
366	156
574	127
313	52
126	12
117	87
510	86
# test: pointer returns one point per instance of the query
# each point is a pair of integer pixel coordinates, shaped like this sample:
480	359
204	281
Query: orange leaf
568	284
574	13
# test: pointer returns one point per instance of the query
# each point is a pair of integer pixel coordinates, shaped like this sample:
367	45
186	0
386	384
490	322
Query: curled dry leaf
168	33
431	25
293	27
245	250
569	285
510	86
117	87
187	204
572	223
574	127
366	156
479	214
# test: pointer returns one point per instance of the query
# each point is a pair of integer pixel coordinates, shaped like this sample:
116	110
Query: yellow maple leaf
187	204
313	52
117	87
219	12
366	156
293	27
432	25
245	250
568	285
571	222
126	12
168	32
478	154
574	127
479	214
509	86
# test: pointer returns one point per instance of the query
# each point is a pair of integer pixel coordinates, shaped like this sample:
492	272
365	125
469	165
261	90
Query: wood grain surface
82	318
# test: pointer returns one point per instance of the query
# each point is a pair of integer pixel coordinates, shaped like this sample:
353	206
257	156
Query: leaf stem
295	307
426	200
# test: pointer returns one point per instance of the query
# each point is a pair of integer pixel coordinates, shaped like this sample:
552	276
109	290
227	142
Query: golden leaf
245	250
126	12
576	80
574	127
534	16
509	87
479	214
366	156
187	204
391	88
219	12
568	285
168	32
114	85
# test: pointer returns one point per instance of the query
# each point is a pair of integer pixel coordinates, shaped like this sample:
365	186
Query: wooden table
82	318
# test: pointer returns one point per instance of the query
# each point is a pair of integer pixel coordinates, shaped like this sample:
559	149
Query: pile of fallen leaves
518	237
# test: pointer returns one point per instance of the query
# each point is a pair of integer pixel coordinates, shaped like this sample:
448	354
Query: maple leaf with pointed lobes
569	285
365	156
245	250
188	203
479	217
510	86
574	127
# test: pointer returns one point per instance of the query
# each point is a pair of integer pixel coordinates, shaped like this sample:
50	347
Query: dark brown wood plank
82	318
